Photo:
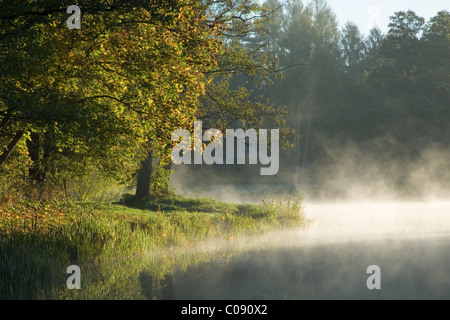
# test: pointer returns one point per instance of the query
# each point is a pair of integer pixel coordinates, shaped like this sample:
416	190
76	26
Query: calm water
410	242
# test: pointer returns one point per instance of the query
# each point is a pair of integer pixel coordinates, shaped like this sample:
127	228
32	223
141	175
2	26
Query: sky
368	13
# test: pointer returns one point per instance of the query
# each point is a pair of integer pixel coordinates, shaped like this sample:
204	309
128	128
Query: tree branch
128	105
5	155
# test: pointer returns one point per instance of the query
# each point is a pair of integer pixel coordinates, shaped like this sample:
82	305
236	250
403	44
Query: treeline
383	97
368	109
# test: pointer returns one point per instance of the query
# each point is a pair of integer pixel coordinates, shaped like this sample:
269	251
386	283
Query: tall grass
38	241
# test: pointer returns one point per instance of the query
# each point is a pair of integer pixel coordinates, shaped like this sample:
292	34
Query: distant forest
372	109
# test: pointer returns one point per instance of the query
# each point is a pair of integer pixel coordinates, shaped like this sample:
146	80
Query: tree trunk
41	149
146	280
9	149
36	171
167	288
145	177
308	134
299	128
34	145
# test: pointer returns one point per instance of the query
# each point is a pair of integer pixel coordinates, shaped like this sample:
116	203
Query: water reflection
165	284
410	243
411	269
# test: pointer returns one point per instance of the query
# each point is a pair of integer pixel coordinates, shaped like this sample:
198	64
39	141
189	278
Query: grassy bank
38	239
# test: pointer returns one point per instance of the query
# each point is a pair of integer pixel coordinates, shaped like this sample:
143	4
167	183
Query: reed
38	240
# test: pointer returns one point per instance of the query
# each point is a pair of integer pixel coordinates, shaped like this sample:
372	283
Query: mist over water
409	242
358	197
334	222
360	216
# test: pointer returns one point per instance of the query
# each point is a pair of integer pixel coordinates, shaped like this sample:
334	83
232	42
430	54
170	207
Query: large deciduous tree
116	88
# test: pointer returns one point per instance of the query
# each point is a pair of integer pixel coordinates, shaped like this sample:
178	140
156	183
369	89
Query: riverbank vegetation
38	240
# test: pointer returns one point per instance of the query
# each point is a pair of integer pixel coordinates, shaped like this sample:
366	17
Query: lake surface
409	242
